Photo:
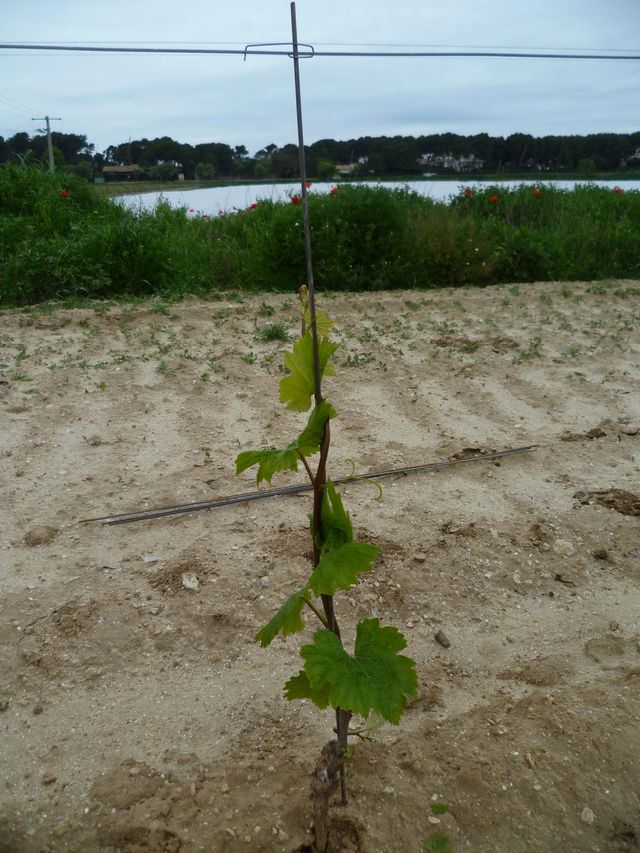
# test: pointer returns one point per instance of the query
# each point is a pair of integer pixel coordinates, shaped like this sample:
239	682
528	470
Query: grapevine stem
303	459
316	611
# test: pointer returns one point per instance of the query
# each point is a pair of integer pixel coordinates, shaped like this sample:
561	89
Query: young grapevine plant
375	678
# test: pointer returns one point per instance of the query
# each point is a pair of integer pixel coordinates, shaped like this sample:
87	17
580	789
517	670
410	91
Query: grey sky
223	99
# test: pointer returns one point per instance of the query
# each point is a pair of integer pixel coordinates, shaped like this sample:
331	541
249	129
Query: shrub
60	239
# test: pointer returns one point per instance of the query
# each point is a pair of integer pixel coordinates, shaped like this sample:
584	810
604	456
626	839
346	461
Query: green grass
81	246
274	332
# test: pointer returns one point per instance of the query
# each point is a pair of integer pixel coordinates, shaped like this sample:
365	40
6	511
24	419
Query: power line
310	52
17	104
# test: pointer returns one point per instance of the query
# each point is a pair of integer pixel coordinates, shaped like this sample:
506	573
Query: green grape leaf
437	843
288	620
324	323
339	568
309	440
298	387
375	678
298	687
269	462
334	519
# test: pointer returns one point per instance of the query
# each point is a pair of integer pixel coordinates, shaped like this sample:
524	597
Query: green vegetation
59	240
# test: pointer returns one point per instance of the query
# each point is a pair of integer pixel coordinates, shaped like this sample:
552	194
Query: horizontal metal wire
249	50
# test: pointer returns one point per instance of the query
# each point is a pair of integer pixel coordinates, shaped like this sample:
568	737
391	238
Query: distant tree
244	168
325	170
267	151
205	172
284	161
587	166
20	143
161	151
163	172
83	169
218	153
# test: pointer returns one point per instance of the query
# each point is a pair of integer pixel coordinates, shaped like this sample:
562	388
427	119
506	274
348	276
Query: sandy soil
140	715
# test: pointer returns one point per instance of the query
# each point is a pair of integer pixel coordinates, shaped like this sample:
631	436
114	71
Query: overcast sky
223	99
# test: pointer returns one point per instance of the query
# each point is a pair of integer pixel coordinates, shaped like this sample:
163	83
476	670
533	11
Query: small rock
434	820
442	638
600	554
49	779
517	578
40	536
265	582
38	709
224	788
190	582
587	815
563	548
419	558
150	558
4	704
614	626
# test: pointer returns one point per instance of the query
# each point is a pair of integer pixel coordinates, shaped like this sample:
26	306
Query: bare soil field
138	713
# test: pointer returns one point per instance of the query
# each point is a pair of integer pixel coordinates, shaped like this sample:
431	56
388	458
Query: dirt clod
40	536
622	501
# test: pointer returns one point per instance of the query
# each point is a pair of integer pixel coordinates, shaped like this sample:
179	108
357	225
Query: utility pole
52	165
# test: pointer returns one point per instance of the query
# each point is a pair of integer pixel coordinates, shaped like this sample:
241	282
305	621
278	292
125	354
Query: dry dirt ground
137	712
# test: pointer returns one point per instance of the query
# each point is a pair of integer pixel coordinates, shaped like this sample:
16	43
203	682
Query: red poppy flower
468	192
536	191
618	190
253	206
333	190
307	184
493	199
295	199
64	193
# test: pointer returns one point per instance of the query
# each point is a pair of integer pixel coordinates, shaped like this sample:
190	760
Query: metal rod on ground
230	500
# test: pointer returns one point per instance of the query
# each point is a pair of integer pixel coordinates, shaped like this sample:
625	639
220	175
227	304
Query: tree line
166	158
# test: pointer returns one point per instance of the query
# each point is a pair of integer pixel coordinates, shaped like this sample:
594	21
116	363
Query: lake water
216	200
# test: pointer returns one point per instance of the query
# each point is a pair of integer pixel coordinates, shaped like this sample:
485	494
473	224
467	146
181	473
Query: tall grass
61	240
